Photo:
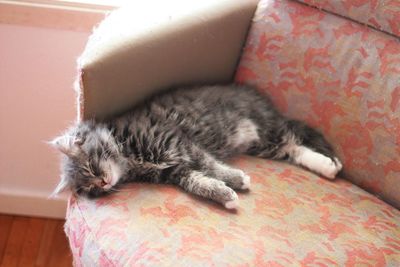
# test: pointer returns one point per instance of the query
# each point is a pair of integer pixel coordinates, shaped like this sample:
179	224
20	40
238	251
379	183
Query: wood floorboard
5	226
60	257
31	244
46	243
15	241
28	241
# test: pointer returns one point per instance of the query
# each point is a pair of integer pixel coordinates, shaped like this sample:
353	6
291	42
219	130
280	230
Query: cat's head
92	164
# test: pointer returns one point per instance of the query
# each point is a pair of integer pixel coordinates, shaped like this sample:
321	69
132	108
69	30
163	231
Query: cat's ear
62	186
68	144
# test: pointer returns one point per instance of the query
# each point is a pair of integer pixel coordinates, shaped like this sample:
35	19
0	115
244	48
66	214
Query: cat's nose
103	183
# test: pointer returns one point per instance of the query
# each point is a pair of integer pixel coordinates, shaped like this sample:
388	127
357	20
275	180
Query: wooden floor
27	241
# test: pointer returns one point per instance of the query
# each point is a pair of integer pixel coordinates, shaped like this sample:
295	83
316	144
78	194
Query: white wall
37	101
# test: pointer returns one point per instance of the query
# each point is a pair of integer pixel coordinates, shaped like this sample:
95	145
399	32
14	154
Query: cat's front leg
199	184
234	178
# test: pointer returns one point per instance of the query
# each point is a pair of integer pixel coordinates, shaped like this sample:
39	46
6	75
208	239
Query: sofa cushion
290	217
339	76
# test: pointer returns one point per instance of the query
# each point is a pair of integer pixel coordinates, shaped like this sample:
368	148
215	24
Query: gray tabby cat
181	136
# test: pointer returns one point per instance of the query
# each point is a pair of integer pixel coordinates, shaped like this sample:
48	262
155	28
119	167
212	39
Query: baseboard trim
33	206
59	17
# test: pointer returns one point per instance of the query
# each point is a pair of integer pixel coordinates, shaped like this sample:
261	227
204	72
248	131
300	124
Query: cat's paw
330	168
237	179
318	162
232	204
245	182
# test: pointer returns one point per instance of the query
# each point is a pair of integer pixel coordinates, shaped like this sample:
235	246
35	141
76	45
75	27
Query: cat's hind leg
307	147
314	161
300	144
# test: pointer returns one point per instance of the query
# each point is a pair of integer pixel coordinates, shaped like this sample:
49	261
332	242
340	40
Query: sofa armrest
137	50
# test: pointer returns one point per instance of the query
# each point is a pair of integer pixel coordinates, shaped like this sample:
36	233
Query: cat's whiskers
112	189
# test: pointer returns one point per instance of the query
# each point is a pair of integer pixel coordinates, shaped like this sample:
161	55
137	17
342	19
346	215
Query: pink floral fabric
380	14
339	76
289	218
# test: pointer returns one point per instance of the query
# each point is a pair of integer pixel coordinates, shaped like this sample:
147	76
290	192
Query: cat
181	137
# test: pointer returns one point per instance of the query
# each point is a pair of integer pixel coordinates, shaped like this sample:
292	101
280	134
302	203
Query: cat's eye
96	173
93	170
90	165
85	172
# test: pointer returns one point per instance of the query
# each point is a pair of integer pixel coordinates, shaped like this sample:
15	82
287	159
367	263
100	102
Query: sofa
334	64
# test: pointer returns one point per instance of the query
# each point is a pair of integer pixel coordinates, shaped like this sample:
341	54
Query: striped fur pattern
181	137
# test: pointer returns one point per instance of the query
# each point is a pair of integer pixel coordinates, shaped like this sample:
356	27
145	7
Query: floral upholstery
380	14
339	76
289	218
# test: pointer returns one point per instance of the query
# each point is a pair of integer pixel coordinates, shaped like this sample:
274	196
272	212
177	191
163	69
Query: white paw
317	162
330	168
232	204
246	182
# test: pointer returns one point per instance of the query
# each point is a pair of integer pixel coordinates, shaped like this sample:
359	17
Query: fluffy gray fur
181	137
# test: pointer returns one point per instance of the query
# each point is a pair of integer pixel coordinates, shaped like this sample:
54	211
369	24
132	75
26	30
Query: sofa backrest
380	14
339	75
149	46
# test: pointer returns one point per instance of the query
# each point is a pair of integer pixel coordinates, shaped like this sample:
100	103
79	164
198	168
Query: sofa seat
290	217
